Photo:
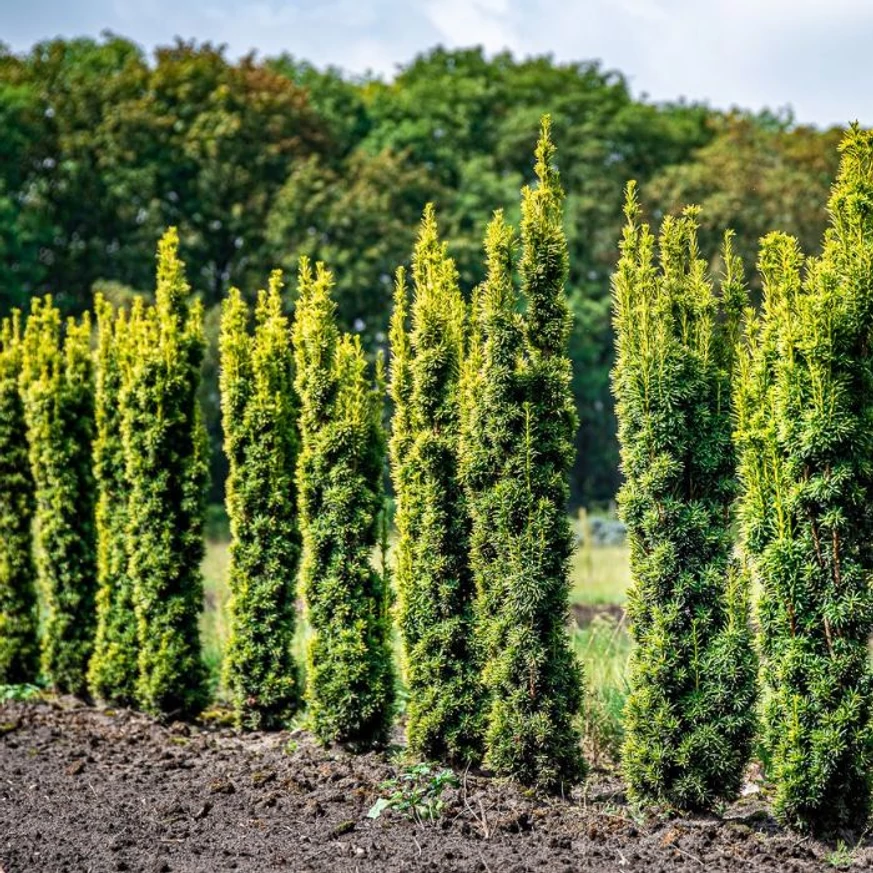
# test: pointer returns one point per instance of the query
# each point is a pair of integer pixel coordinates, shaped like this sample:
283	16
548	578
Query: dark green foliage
805	439
260	437
434	578
112	673
516	453
752	177
690	715
57	386
255	158
19	646
165	460
350	677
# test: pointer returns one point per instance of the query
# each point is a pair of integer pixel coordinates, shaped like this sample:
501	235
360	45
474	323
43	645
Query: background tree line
260	161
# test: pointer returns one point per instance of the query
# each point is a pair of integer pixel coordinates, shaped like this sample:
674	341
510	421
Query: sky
813	55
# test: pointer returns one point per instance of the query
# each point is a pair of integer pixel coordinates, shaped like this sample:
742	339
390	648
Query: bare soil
84	789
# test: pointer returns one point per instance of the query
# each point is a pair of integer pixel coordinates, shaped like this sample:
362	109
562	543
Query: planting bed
89	790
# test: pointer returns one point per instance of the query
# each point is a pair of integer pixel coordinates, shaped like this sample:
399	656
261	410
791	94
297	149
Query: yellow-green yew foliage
350	676
165	462
113	671
57	383
19	645
690	714
804	433
259	414
433	575
518	422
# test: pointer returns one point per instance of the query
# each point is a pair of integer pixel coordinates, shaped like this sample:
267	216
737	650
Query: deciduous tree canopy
258	162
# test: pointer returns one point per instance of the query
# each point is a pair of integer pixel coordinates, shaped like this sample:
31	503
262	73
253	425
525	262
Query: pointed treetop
851	203
545	168
42	340
780	261
434	273
270	300
734	293
498	291
10	332
631	203
400	378
173	289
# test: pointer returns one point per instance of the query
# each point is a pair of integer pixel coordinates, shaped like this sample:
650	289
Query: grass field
600	577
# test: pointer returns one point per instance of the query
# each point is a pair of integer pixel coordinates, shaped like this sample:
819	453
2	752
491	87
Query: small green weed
842	857
19	692
417	793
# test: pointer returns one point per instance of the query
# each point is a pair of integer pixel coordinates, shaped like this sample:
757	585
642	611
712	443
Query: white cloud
810	53
467	22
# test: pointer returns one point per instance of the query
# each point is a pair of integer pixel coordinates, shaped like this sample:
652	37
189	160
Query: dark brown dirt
89	790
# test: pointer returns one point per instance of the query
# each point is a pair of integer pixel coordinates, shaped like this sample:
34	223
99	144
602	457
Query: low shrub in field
165	461
19	645
58	391
804	432
350	675
259	409
518	423
434	579
112	673
690	714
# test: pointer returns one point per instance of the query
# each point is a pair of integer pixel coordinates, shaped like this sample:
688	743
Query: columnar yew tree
165	462
434	578
259	409
57	386
350	679
517	449
112	674
689	718
805	438
19	646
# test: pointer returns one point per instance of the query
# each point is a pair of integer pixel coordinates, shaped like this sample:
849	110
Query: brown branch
828	637
816	538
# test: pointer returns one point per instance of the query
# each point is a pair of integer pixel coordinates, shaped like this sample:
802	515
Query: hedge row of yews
104	465
729	419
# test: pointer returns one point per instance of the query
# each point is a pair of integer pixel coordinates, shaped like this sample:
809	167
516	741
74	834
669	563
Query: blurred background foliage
260	160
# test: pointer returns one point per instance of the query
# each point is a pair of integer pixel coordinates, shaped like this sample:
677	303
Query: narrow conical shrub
165	462
19	645
690	714
259	410
113	671
804	432
434	579
58	391
516	453
350	677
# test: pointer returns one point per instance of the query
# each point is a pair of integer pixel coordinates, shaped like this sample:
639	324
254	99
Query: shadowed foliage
19	646
112	673
690	714
434	579
57	386
350	676
259	408
804	401
516	453
165	460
